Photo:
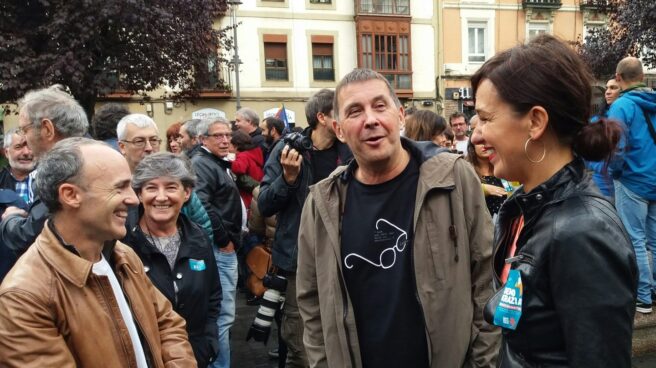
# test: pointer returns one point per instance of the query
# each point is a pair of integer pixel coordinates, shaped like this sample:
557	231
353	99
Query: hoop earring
544	152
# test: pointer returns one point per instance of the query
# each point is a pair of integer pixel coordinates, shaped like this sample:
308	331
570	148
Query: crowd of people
518	237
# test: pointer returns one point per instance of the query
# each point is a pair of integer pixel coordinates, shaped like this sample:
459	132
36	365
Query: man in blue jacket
634	170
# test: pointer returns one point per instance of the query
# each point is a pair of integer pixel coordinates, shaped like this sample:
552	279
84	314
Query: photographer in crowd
296	162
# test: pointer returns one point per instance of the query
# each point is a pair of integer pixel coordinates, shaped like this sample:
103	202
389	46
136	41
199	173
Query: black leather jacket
579	276
220	196
195	294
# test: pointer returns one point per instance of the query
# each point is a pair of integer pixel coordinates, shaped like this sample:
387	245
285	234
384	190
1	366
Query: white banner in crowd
208	114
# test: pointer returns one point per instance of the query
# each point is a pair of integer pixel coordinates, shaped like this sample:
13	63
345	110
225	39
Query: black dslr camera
298	141
271	302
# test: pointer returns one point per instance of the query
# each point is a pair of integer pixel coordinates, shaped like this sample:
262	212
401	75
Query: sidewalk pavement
254	354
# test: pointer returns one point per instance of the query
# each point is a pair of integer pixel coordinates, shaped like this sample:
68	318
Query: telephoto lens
271	302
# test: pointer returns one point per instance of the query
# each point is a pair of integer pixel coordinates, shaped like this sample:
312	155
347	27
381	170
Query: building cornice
490	6
286	14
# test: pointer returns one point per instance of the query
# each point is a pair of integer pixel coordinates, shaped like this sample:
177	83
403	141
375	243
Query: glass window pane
404	81
402	7
472	40
481	41
366	6
385	6
328	62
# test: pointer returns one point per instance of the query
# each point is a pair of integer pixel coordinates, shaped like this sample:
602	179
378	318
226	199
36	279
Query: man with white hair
16	176
46	116
137	137
218	192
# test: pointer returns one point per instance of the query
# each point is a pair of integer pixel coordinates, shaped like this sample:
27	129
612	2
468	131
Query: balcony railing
215	79
542	4
384	7
323	74
594	4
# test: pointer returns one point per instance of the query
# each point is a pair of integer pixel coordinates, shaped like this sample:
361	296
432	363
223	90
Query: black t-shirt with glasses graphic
376	244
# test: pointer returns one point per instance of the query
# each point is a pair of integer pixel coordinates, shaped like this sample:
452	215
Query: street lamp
235	57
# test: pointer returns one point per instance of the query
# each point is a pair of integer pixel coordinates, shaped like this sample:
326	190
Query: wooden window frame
371	29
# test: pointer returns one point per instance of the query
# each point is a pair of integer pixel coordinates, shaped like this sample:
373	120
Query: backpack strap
652	131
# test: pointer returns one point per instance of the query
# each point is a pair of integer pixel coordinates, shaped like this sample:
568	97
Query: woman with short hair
176	253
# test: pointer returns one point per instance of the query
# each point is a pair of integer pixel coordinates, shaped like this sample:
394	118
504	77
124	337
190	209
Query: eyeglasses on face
141	142
221	135
22	130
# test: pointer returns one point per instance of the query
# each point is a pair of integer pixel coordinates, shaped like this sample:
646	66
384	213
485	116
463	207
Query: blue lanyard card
509	310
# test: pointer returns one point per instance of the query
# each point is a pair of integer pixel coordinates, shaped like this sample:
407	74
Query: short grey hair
361	75
205	125
250	115
163	164
54	104
62	164
191	127
9	137
138	120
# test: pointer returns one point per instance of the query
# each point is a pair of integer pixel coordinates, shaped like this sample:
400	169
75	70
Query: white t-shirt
102	268
462	146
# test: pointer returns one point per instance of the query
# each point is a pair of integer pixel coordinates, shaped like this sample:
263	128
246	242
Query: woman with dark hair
249	162
176	253
173	138
564	263
495	189
425	125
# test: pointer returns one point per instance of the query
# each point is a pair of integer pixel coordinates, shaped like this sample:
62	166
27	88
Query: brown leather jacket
54	312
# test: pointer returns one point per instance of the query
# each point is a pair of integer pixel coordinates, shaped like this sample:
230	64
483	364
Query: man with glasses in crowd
46	116
459	126
137	137
218	192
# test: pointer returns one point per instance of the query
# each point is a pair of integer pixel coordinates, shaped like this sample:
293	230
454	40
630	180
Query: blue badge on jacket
196	264
509	310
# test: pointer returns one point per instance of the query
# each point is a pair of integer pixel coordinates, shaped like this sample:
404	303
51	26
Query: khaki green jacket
452	258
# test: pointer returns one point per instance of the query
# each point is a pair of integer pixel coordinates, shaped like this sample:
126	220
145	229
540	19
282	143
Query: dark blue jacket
8	257
286	201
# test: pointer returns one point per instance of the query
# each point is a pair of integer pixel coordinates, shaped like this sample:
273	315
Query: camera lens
271	301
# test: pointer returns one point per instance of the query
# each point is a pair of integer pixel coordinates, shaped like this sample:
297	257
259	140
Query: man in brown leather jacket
77	297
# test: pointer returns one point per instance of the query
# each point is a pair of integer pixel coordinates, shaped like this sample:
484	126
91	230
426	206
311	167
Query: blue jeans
227	264
639	218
